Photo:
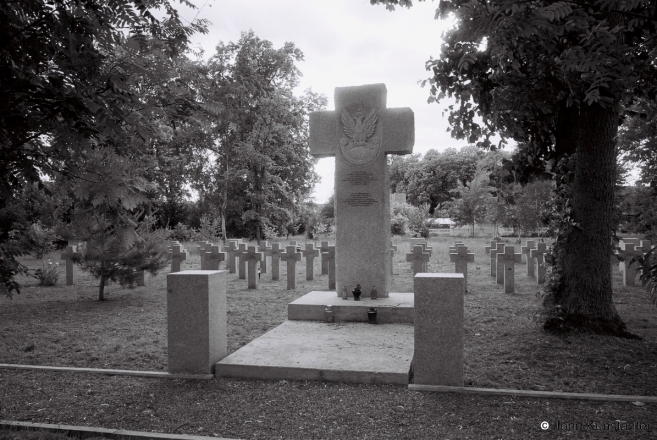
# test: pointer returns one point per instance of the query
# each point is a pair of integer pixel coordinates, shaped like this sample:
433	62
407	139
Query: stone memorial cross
264	246
330	259
71	252
493	245
275	253
359	134
213	257
539	254
494	270
628	269
418	257
529	245
203	247
310	253
232	252
178	255
252	259
241	261
291	256
461	257
508	260
323	249
393	249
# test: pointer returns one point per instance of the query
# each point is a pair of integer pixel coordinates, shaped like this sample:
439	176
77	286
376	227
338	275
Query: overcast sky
345	43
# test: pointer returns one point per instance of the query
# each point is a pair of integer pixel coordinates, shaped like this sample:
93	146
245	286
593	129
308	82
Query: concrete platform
398	308
332	352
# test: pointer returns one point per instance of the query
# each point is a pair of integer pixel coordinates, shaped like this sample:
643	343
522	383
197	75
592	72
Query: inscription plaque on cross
359	134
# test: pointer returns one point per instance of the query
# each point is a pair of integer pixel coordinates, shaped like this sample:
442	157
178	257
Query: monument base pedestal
332	352
306	347
397	308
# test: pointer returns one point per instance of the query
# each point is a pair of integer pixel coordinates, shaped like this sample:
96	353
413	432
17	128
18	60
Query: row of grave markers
252	260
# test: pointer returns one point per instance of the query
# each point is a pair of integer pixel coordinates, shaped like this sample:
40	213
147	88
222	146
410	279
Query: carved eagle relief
358	130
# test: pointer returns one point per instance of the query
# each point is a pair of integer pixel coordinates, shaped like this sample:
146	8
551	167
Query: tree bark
586	293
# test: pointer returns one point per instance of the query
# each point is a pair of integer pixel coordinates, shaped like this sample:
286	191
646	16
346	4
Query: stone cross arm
398	134
462	253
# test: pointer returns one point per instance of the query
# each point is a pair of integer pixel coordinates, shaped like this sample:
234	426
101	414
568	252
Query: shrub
37	240
48	276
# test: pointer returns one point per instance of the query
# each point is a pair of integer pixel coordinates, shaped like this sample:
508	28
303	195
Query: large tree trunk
586	293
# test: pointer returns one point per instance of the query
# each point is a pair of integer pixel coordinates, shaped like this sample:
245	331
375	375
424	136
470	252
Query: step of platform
398	308
333	352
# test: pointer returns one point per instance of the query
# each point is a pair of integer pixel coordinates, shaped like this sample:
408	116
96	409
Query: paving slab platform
398	308
331	352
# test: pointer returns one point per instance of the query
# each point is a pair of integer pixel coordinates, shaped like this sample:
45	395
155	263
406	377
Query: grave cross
418	257
213	258
68	256
457	245
493	245
422	242
275	253
310	253
507	260
461	257
232	254
393	249
263	248
628	269
252	258
359	134
530	244
494	272
645	246
330	260
539	254
178	255
323	248
291	256
203	247
241	261
140	275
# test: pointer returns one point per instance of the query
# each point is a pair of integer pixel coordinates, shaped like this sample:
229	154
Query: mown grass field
505	347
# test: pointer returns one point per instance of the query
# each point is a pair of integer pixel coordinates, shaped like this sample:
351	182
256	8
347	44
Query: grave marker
323	249
418	257
461	257
71	252
310	253
252	258
203	247
499	268
213	258
508	260
359	133
178	255
291	256
264	246
529	245
628	269
493	245
330	259
232	252
393	249
539	254
275	253
499	247
241	261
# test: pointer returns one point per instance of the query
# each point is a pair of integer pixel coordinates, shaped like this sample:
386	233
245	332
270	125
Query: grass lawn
505	347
